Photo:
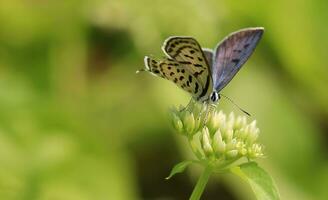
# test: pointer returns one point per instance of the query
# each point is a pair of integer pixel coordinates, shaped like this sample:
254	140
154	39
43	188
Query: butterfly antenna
244	111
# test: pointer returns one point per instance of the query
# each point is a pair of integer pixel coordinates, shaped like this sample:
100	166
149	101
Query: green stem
201	183
227	163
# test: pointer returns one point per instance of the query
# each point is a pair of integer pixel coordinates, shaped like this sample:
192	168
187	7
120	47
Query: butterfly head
214	97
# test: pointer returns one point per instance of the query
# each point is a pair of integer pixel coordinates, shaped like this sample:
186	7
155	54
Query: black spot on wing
185	62
236	61
178	51
181	78
172	73
245	46
196	74
161	65
185	55
196	87
190	78
198	65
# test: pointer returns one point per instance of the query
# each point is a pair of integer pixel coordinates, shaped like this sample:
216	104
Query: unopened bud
219	145
189	122
177	123
206	141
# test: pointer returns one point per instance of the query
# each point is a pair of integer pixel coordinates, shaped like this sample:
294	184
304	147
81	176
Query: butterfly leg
210	108
189	106
203	113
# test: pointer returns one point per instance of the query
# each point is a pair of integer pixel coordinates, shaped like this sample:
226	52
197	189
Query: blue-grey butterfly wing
232	53
209	56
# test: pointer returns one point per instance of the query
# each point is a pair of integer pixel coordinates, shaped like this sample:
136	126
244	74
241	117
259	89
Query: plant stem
201	183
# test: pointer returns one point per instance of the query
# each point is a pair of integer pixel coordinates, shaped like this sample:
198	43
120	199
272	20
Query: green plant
222	144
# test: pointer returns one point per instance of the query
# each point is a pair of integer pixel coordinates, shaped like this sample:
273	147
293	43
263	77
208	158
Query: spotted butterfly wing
172	70
188	53
232	53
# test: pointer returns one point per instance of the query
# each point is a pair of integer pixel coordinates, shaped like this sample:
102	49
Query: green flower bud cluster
185	121
230	137
222	138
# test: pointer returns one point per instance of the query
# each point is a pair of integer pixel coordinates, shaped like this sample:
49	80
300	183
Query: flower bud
244	132
241	147
255	151
240	122
189	122
227	132
252	125
231	119
219	145
213	122
198	124
253	135
223	138
221	118
177	123
206	141
231	144
243	151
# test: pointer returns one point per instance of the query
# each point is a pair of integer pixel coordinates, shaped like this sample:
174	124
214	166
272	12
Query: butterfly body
204	72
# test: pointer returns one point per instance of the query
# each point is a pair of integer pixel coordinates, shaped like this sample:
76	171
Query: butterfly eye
214	96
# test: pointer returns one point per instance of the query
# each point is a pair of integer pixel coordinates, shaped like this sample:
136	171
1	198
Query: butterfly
200	71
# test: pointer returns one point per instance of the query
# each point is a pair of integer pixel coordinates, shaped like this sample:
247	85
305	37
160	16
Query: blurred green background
77	123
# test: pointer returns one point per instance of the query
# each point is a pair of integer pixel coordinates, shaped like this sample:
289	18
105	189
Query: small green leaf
178	168
260	181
